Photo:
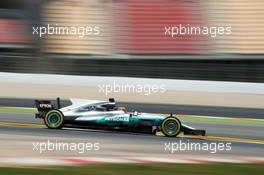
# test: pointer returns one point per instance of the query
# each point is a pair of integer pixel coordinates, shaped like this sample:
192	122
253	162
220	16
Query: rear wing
44	106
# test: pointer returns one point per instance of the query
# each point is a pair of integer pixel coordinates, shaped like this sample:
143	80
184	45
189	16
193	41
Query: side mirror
92	108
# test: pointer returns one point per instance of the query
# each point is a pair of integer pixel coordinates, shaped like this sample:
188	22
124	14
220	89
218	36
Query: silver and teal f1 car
107	115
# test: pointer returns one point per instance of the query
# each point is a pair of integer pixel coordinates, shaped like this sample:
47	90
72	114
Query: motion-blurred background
132	41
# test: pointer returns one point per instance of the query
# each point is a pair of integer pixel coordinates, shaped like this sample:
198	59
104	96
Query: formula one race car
108	116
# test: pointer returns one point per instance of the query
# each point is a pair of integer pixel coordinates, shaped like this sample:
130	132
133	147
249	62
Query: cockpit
102	106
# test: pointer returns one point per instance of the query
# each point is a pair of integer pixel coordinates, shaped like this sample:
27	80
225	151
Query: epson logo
45	106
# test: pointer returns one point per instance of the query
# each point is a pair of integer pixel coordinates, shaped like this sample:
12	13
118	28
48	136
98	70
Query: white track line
139	160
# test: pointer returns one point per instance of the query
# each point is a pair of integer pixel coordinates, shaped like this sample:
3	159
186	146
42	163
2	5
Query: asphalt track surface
16	140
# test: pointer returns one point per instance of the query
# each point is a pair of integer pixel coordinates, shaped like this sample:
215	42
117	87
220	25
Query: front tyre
54	119
171	126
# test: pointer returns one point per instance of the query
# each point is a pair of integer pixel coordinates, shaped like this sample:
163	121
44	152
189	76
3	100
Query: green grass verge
142	169
220	120
182	117
18	110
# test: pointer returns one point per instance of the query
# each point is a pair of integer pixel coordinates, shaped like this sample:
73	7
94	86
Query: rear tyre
54	119
171	126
